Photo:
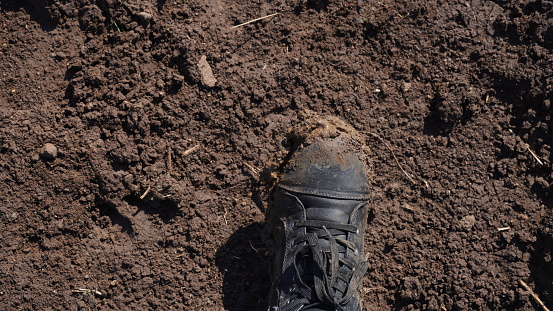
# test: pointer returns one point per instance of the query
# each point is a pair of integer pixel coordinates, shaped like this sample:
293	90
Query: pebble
406	86
206	74
468	221
59	55
49	151
145	18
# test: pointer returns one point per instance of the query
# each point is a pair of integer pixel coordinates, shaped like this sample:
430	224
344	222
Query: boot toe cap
328	167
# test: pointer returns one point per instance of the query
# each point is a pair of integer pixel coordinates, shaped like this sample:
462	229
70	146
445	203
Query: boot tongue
321	208
326	214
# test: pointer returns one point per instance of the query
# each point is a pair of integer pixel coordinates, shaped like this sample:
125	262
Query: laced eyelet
293	224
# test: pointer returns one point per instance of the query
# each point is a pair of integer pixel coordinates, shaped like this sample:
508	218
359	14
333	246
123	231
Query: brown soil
161	118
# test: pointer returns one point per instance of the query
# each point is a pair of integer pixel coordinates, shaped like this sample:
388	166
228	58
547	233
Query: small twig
225	217
253	169
116	26
534	154
253	247
529	150
538	300
254	20
503	229
394	156
86	290
189	151
408	207
169	161
369	289
145	193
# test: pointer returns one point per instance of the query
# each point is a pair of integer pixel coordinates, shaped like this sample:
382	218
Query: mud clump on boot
313	127
312	131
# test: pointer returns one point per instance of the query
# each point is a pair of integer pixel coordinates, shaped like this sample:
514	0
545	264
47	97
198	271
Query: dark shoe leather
317	219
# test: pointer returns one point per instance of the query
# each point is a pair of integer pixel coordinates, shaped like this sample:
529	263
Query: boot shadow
244	263
541	263
42	12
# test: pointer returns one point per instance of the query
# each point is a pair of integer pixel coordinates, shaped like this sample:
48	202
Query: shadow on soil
541	263
108	209
40	11
164	209
243	262
122	214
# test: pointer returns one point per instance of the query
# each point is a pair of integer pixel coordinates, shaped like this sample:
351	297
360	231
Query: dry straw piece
254	20
538	300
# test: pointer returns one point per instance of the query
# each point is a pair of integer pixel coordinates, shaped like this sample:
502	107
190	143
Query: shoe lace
335	278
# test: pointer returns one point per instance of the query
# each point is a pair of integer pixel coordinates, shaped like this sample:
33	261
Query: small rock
406	86
206	74
49	151
60	56
145	18
468	222
12	216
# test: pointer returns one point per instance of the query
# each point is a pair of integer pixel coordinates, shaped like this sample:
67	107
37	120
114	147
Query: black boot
317	220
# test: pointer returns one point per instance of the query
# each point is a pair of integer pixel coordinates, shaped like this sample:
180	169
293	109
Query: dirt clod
468	222
410	289
206	74
49	151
